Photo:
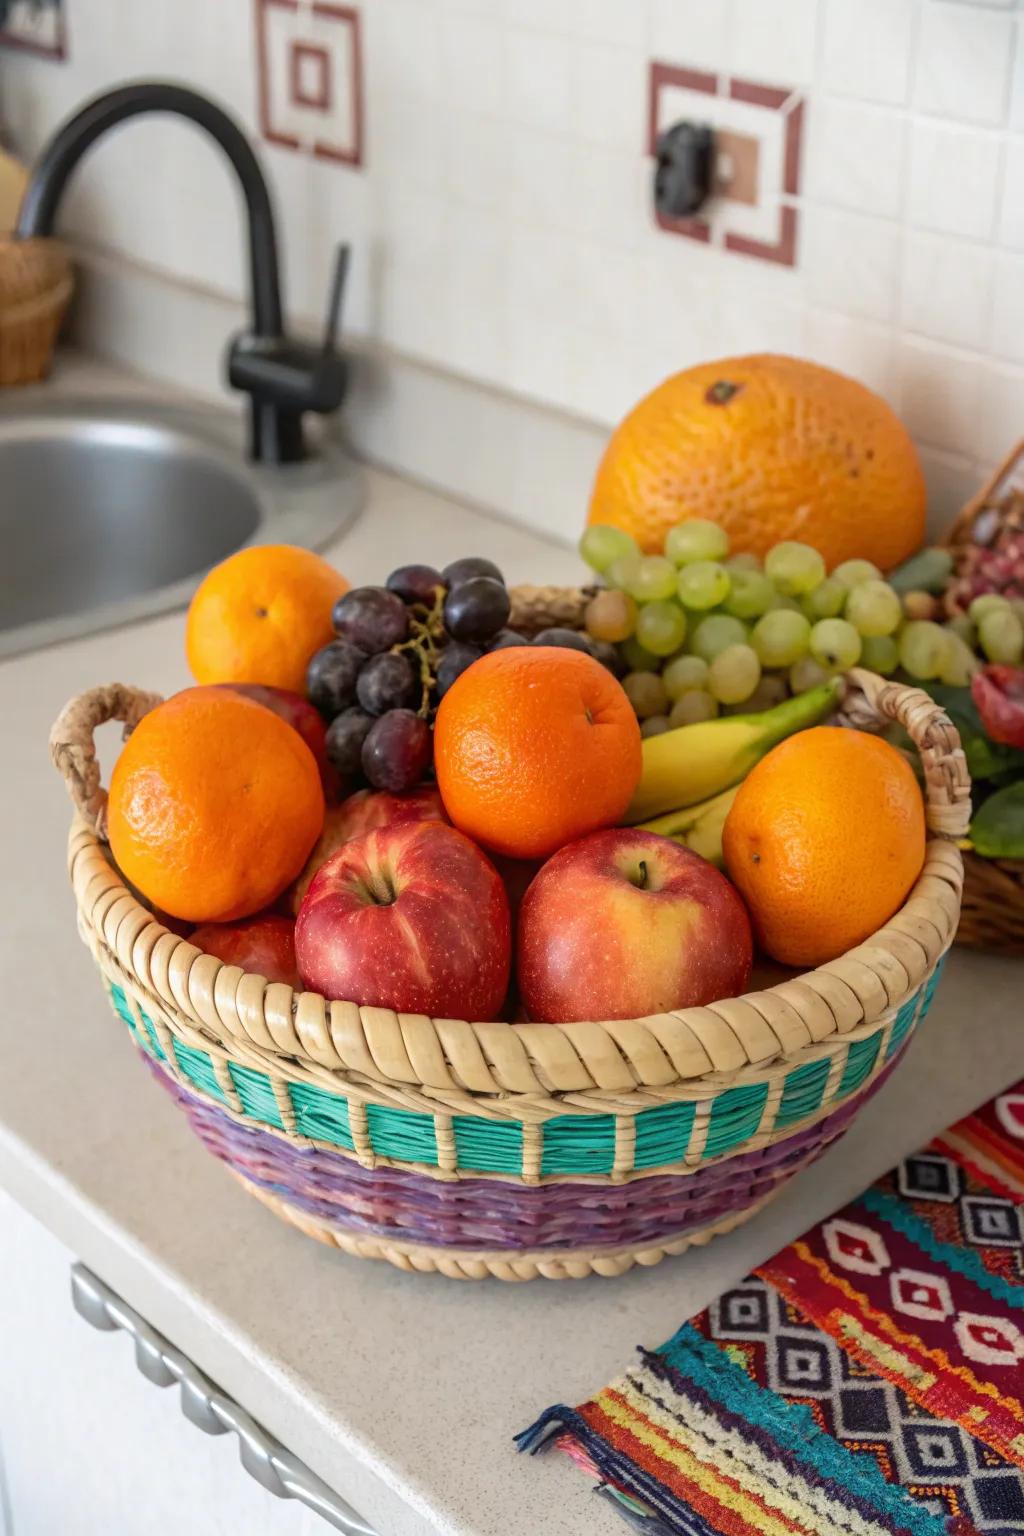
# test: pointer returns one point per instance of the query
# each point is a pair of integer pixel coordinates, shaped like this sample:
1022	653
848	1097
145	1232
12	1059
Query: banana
695	762
698	827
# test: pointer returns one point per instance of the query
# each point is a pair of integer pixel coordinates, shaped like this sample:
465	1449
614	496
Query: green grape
835	644
714	633
873	608
924	648
806	674
600	545
610	615
780	638
782	603
743	561
694	706
622	570
661	628
684	673
637	657
653	580
735	673
1017	605
646	692
703	584
852	572
654	725
825	602
751	594
961	662
795	568
880	653
988	602
965	628
1001	636
696	539
771	690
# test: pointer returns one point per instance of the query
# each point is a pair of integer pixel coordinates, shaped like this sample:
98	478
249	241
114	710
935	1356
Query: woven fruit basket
518	1150
990	528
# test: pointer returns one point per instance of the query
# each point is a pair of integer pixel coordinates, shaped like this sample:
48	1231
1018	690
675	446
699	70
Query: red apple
265	945
362	812
624	923
303	717
411	916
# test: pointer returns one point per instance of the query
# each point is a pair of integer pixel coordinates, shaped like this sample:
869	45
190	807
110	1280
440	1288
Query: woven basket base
466	1264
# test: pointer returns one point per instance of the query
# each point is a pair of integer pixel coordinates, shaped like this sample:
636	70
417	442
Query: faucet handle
338	282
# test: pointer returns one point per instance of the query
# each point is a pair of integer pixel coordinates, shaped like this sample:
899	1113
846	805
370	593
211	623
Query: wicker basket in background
518	1150
992	914
36	283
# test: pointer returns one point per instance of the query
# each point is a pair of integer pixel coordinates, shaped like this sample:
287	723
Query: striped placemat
869	1378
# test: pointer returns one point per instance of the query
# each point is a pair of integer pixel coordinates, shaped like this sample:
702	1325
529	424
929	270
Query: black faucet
282	376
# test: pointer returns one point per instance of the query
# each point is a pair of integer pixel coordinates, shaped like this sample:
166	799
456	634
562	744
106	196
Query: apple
362	812
624	923
303	717
265	945
411	916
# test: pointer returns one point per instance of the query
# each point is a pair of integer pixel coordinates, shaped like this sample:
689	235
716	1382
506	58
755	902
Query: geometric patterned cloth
869	1378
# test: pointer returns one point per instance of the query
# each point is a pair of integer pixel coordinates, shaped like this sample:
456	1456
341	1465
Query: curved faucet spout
69	144
283	376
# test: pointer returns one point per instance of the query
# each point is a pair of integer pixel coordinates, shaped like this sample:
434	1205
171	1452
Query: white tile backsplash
963	62
947	290
954	178
856	155
1008	309
502	220
867	48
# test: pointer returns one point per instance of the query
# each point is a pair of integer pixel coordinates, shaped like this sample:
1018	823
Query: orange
259	616
533	747
215	803
770	448
824	841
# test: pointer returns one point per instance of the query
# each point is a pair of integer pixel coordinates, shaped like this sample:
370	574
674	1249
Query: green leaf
997	830
986	759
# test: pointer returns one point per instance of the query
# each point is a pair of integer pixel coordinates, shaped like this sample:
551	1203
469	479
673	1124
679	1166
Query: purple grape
476	609
454	661
331	676
506	638
386	682
397	751
604	652
571	639
345	737
416	584
371	618
464	570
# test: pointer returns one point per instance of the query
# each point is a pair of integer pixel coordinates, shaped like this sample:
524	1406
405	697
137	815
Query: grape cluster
399	648
700	631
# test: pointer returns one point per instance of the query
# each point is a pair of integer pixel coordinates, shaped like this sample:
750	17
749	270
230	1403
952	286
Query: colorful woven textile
869	1378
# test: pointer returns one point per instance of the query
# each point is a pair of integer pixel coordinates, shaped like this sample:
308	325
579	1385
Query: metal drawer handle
206	1406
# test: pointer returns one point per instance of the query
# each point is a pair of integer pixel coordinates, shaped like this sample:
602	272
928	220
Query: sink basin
112	511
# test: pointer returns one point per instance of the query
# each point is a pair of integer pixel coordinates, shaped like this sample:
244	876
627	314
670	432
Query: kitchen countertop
401	1391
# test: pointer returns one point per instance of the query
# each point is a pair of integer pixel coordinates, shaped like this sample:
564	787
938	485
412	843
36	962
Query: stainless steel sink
112	511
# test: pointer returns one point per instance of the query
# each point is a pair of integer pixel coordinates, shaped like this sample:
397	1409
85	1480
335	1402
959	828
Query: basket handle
871	700
73	745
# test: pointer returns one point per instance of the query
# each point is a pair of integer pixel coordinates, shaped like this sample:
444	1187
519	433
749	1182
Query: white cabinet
88	1446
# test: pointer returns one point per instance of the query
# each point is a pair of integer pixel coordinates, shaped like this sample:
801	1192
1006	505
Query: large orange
259	616
534	746
771	448
215	803
824	841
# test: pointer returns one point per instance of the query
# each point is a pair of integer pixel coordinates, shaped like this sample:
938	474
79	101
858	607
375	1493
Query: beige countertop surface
402	1392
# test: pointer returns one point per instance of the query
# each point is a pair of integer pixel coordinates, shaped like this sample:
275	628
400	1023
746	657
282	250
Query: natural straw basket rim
456	1059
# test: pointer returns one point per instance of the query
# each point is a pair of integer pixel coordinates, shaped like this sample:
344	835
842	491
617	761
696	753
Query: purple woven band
495	1214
